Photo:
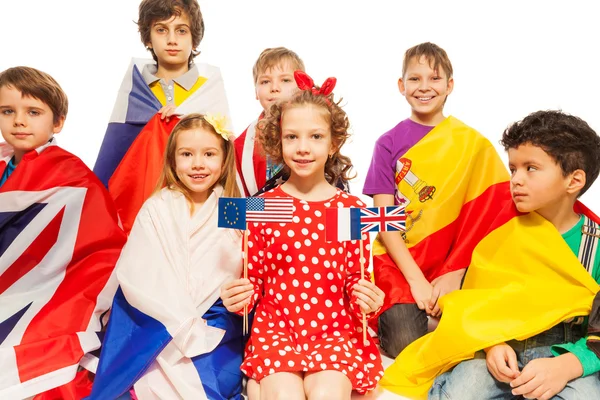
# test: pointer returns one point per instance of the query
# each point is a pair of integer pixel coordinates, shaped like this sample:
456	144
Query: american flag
59	243
276	209
381	219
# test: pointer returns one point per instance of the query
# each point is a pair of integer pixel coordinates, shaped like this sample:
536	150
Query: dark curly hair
152	11
569	140
338	166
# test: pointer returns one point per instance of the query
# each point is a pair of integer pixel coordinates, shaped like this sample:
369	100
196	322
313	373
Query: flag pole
245	322
362	276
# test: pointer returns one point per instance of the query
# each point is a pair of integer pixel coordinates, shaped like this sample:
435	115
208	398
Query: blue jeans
472	380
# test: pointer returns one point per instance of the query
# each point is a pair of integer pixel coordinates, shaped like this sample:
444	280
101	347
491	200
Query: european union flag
232	213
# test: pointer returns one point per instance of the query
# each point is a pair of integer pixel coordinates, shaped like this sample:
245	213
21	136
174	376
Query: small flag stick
362	276
245	327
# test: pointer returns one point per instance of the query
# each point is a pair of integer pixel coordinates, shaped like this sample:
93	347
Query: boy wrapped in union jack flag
59	241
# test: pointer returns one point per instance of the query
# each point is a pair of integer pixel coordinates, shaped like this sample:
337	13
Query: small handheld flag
235	213
232	213
342	224
382	219
349	223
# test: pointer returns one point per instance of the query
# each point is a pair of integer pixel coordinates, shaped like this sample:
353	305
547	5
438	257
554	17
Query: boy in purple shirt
421	164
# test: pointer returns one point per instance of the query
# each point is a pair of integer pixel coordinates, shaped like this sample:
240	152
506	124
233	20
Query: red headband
305	82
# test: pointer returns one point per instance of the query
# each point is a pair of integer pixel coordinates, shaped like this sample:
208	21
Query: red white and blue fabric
259	209
59	242
235	213
131	155
342	224
381	219
169	335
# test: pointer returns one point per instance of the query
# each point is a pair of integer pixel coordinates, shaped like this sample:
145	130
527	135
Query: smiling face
198	161
275	84
306	141
425	90
26	123
537	181
171	41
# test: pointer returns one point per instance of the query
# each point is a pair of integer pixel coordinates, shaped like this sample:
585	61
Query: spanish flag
453	185
523	280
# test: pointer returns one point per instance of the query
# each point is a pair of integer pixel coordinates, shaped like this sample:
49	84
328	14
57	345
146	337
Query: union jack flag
235	213
59	242
381	219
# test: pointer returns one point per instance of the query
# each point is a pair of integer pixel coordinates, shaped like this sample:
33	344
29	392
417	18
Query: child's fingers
435	312
435	294
238	301
371	304
513	365
234	283
238	306
367	289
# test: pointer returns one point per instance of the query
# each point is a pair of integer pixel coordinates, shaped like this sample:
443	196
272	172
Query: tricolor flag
342	224
132	151
234	213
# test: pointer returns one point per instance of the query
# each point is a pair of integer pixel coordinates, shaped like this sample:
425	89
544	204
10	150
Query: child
59	242
273	75
306	338
553	159
451	181
151	94
171	270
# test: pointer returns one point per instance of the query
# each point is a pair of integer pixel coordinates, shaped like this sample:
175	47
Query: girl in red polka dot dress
306	339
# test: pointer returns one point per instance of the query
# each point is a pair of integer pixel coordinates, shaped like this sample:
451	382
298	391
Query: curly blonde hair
337	166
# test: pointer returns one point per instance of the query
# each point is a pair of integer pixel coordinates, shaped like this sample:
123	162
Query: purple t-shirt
388	149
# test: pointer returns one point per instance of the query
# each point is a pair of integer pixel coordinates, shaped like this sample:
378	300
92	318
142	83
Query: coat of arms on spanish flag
453	185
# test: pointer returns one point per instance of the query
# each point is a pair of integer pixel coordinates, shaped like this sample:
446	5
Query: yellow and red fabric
523	279
462	186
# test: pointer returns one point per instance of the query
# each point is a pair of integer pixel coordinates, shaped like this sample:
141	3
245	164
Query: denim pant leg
399	326
469	380
585	388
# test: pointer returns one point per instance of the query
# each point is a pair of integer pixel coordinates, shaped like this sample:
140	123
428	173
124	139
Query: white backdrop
510	58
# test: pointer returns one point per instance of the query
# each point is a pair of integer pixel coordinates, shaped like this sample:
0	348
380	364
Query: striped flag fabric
277	209
342	224
131	156
234	213
59	242
381	219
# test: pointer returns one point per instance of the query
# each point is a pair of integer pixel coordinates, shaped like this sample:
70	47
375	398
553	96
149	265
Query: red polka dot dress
306	316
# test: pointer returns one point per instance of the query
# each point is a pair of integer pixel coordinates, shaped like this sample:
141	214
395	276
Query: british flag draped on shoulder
59	242
131	155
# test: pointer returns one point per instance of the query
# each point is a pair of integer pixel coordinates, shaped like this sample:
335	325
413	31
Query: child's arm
240	292
364	295
588	360
420	288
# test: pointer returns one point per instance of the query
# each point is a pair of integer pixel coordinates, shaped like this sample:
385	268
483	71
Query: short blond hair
270	58
433	53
